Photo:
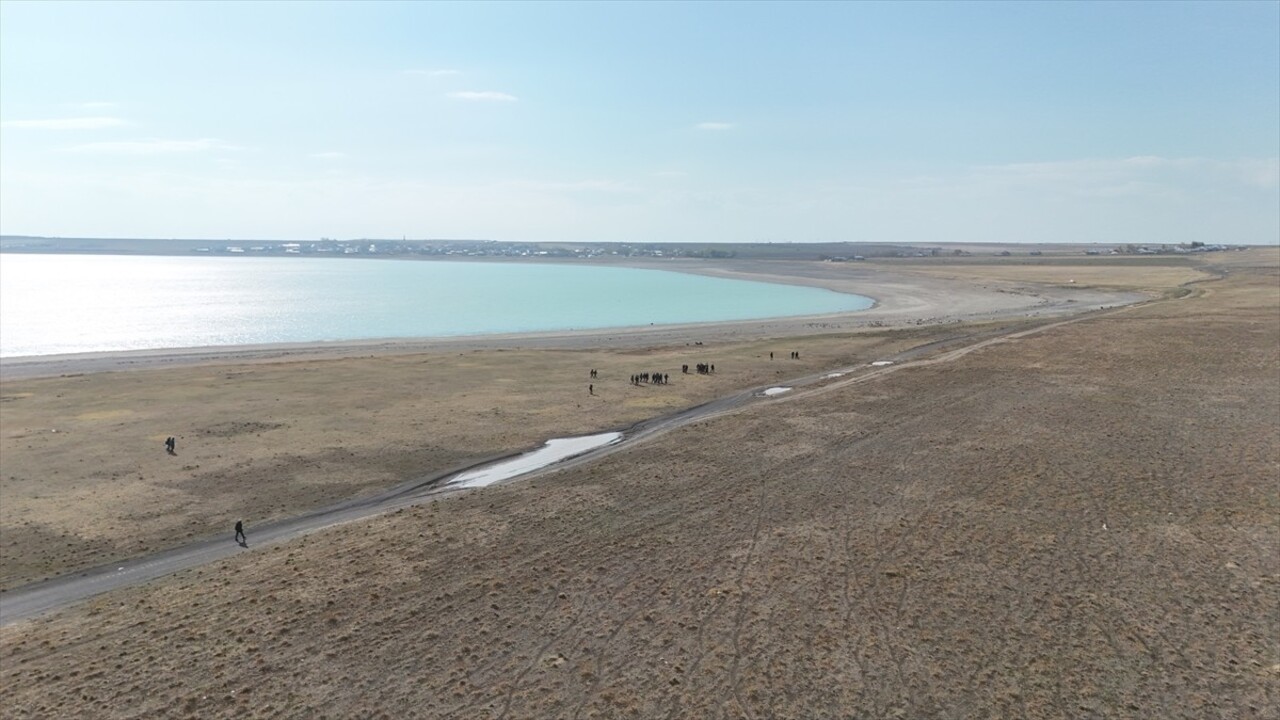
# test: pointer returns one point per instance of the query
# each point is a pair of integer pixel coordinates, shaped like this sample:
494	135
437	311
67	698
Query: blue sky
647	122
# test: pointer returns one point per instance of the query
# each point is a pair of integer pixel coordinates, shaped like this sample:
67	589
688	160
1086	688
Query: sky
1129	122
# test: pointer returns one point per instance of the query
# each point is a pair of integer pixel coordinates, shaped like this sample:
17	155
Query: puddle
554	451
776	390
879	363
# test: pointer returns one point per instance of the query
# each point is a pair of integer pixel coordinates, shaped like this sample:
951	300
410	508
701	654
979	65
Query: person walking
240	536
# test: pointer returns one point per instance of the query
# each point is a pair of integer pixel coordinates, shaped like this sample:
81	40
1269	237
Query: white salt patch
777	390
878	363
554	451
831	375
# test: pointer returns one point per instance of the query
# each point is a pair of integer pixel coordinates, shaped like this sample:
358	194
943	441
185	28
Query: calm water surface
72	303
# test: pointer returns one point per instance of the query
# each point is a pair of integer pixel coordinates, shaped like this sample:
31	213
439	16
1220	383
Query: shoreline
900	299
555	454
1077	499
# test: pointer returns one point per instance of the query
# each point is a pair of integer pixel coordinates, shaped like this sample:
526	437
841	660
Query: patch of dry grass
84	478
1137	273
1078	523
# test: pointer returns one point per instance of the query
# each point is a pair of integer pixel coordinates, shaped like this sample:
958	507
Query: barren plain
1077	522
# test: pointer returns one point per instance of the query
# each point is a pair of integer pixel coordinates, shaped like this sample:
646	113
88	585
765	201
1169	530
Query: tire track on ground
681	558
705	618
735	679
30	600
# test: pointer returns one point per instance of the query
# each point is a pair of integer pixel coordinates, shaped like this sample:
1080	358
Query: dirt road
1074	523
36	598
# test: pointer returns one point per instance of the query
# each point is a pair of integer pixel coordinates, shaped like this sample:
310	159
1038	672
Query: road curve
48	595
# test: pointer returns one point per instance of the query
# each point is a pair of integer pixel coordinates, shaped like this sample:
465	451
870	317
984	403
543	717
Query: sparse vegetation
1079	522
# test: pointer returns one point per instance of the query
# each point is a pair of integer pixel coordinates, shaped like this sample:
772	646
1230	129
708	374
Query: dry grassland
86	479
1077	523
1140	273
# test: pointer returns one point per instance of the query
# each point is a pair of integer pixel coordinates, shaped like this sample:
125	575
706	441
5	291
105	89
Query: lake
53	304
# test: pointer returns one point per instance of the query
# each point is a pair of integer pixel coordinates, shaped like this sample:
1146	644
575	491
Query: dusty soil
1076	523
84	478
1124	271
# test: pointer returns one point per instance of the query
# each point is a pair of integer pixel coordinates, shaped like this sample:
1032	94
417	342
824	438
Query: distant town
458	249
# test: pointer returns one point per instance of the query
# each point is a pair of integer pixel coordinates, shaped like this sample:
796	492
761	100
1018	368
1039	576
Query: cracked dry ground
1080	523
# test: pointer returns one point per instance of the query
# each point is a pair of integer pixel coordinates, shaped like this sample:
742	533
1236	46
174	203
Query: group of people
170	443
658	378
655	378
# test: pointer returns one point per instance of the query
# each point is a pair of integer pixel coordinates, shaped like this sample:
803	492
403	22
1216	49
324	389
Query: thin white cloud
1108	174
556	186
1143	199
444	72
1160	200
714	126
80	123
153	147
329	155
482	96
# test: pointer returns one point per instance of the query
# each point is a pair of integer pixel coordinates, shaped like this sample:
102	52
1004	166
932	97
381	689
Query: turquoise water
73	303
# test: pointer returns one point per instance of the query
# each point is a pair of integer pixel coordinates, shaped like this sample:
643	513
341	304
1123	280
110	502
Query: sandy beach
1075	522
